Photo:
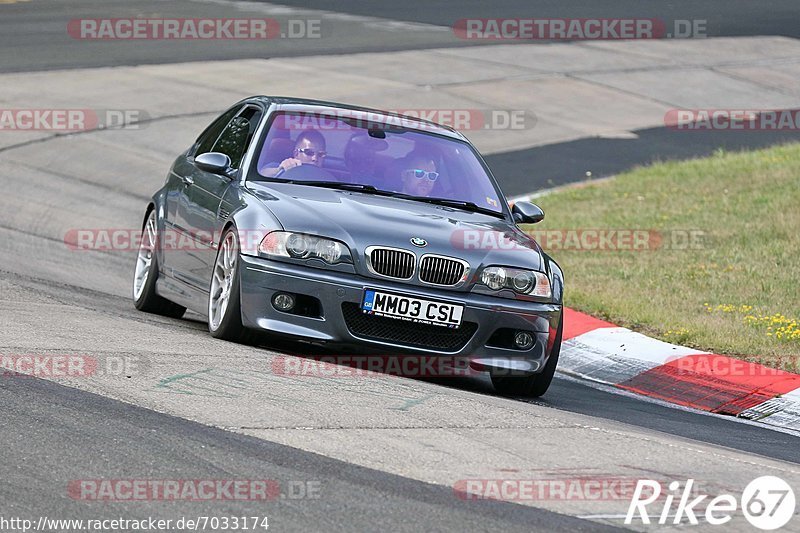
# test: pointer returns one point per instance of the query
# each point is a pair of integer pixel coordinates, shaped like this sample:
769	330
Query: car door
179	181
200	214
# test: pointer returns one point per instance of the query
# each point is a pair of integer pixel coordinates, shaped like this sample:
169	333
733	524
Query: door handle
187	180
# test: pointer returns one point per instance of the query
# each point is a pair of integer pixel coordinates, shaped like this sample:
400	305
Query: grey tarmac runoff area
347	453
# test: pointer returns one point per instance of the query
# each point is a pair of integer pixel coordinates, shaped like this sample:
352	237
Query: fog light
283	301
523	340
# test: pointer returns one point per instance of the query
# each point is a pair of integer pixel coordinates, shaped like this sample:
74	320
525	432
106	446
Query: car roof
378	115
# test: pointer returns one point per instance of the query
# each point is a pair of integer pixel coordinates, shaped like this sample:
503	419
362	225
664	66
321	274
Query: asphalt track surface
724	18
33	34
33	37
542	167
53	434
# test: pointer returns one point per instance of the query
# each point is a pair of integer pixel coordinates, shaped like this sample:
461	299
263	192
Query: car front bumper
340	295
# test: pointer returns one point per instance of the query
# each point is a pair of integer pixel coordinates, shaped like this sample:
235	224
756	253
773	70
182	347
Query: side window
236	137
207	139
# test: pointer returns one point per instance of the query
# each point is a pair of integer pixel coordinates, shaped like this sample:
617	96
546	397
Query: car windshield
303	147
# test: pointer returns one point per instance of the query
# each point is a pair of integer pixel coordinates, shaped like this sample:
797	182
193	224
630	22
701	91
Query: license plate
410	309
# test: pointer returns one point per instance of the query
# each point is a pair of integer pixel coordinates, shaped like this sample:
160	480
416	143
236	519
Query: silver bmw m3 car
355	229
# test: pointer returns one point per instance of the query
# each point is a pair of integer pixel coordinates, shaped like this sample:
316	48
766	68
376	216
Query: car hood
362	219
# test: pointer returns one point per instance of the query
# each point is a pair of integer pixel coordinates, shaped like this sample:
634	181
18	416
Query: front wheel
145	274
224	298
537	384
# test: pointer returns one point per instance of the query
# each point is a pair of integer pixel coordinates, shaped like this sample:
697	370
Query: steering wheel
307	172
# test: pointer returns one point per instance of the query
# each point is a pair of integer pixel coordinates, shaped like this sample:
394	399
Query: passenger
309	149
418	175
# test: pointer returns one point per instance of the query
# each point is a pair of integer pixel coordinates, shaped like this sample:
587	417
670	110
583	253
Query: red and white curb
600	351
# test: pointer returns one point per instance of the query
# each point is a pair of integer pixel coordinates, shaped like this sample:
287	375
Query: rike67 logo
768	503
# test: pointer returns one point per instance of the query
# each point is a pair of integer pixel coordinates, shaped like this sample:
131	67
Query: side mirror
213	162
527	213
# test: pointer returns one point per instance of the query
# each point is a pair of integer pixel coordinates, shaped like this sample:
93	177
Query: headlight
494	277
329	251
520	281
297	245
302	246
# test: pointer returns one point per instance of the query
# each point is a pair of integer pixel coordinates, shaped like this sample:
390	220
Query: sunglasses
310	152
419	174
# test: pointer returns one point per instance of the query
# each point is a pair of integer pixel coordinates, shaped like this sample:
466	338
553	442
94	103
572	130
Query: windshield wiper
371	189
335	185
360	187
459	204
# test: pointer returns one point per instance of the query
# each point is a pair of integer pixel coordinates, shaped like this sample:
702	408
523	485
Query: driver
309	149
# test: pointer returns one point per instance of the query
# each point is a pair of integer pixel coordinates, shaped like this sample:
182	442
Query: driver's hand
291	162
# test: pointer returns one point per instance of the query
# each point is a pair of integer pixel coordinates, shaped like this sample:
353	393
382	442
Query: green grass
737	293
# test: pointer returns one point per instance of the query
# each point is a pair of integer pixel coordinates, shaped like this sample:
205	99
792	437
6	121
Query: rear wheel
224	297
145	275
535	385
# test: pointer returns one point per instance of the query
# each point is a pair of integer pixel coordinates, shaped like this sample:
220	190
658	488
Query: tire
145	274
224	294
536	385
